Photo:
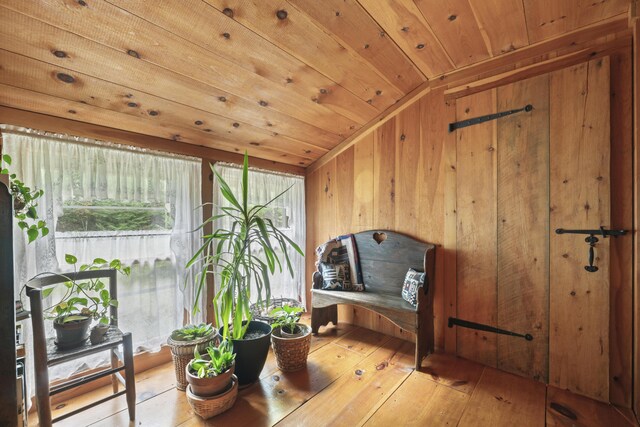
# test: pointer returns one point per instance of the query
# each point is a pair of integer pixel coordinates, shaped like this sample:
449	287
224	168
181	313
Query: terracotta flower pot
209	386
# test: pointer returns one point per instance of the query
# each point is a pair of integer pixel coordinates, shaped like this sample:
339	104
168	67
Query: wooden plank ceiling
285	80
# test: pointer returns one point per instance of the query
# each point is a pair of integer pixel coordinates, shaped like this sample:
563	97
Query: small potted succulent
184	342
290	339
82	302
213	388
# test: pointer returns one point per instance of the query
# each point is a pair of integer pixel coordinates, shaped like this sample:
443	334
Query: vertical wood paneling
636	219
345	197
490	199
621	293
384	180
579	198
363	184
435	116
523	227
409	169
476	227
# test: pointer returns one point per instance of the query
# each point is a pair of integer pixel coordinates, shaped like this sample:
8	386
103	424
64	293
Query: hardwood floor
356	376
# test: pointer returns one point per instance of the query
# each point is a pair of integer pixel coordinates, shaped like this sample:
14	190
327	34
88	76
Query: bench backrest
385	257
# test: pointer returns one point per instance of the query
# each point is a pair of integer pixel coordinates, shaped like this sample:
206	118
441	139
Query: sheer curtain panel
110	201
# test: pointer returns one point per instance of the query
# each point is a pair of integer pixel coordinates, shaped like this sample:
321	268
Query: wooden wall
490	197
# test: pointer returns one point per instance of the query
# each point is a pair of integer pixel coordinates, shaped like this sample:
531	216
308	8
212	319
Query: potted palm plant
213	388
231	253
290	339
184	342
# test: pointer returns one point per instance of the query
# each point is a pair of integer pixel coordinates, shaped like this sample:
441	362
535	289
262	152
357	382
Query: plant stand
291	353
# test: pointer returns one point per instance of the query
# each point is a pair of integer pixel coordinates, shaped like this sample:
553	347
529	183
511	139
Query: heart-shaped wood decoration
379	237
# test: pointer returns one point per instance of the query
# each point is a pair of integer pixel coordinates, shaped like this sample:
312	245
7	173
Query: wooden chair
46	353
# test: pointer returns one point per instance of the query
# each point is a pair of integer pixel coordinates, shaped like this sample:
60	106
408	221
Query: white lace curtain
288	213
152	301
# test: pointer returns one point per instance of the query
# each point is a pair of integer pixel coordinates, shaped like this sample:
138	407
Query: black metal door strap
479	326
592	240
477	120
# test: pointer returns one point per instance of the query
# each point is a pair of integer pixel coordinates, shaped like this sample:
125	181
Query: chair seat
113	338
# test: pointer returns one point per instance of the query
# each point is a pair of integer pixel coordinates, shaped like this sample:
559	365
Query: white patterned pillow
335	277
412	281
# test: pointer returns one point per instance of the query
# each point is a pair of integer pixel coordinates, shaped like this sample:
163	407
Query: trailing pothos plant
25	202
84	299
232	253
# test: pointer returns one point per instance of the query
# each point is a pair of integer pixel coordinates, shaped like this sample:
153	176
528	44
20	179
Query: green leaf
104	295
23	225
47	291
32	213
6	158
114	303
104	320
32	234
44	231
70	259
74	317
100	261
115	264
245	180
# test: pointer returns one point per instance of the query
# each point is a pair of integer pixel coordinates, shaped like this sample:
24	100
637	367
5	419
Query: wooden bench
385	258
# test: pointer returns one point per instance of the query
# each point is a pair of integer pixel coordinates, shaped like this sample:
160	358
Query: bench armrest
316	280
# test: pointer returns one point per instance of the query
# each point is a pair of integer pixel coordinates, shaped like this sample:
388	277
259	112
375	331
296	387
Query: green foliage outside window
109	215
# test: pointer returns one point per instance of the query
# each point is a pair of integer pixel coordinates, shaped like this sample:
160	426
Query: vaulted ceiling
285	80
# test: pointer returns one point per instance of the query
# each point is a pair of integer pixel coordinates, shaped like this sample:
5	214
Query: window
107	201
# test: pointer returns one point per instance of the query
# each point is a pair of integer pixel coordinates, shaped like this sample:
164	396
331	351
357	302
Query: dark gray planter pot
251	354
71	335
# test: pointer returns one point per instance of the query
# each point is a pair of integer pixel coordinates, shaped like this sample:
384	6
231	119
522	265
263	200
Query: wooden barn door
518	179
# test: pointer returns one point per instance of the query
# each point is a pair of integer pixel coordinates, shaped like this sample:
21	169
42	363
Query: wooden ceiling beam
548	19
282	24
161	61
48	123
566	43
42	77
349	22
408	100
599	50
229	40
44	104
454	24
405	24
38	40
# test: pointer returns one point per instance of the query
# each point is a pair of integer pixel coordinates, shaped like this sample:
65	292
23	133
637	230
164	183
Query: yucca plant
231	253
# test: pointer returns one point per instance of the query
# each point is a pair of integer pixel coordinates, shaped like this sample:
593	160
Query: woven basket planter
208	407
182	353
291	353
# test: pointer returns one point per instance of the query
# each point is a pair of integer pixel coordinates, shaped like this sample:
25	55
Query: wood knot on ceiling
282	14
66	78
227	11
59	53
